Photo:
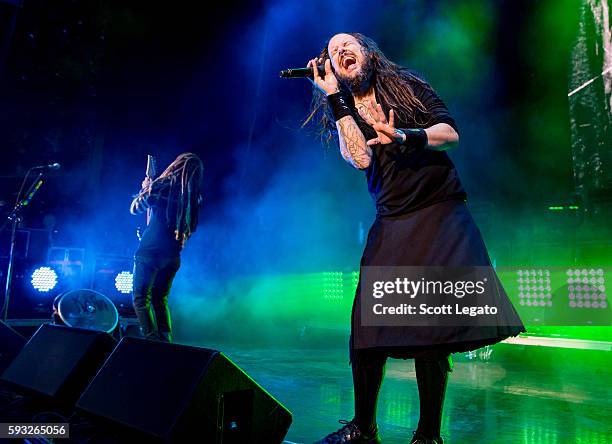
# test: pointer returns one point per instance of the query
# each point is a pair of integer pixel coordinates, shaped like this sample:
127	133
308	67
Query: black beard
360	83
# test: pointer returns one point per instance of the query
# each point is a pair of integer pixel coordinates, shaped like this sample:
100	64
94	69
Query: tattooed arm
352	142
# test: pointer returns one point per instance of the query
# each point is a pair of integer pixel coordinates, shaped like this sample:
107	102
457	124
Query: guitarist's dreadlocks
179	185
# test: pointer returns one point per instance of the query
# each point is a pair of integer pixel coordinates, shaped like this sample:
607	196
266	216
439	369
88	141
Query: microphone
53	166
300	73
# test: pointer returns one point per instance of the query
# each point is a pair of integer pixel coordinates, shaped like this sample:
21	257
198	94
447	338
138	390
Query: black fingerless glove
416	138
339	105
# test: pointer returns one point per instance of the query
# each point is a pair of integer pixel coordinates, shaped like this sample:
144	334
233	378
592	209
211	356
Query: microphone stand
15	218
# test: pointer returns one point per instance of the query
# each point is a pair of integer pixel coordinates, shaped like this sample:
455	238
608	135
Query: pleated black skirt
443	234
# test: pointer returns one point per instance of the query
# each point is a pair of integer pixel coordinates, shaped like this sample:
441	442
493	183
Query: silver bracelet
401	134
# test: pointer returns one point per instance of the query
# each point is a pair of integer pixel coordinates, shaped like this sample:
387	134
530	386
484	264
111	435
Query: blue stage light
124	281
44	279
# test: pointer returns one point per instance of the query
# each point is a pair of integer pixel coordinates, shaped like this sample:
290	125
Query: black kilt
442	234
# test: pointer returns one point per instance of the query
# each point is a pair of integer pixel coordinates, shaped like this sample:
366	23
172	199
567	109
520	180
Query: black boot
432	376
350	434
420	439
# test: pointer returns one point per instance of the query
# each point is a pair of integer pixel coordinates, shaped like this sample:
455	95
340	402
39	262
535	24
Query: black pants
432	370
153	278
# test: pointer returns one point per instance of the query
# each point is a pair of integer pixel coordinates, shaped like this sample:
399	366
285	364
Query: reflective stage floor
521	395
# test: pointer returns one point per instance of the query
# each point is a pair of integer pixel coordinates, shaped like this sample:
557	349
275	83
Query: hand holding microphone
328	83
325	80
318	72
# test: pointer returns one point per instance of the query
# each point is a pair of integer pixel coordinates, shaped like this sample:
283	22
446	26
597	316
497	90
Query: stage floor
498	401
521	395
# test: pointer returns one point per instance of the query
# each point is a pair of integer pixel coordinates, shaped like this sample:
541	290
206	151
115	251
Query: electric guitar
150	174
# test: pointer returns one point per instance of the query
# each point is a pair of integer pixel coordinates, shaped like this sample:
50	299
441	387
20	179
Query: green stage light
586	288
333	285
534	287
563	207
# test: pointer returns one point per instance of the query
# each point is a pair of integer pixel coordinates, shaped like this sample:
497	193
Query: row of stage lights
586	287
534	285
45	279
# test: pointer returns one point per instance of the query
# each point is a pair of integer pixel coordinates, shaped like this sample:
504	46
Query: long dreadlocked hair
391	83
183	181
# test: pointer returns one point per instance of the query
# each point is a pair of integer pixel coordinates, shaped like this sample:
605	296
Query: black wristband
339	105
416	138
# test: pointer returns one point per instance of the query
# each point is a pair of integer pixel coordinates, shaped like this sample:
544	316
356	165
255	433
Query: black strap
416	138
339	105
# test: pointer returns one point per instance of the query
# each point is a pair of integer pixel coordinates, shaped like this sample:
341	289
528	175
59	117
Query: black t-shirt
403	180
158	239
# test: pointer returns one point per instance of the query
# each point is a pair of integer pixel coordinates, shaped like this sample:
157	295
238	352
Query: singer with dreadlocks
174	199
392	125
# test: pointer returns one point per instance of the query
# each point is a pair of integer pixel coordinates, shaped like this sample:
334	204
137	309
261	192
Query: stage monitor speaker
11	344
59	361
175	394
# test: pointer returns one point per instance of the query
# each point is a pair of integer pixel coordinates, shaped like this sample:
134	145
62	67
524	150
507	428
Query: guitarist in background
173	200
